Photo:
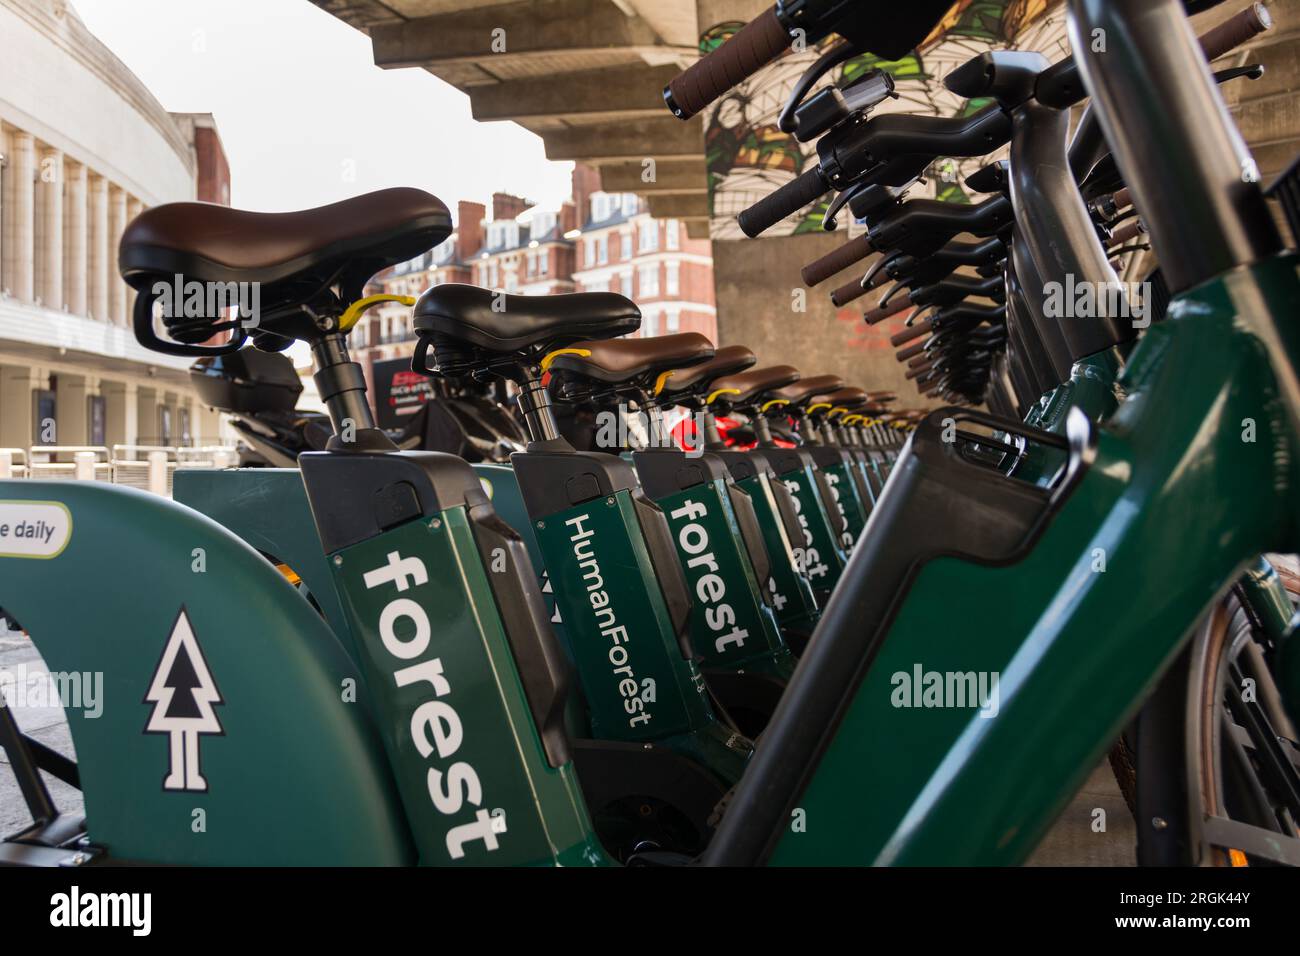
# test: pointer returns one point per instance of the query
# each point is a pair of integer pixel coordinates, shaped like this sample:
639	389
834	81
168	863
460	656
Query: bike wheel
1218	762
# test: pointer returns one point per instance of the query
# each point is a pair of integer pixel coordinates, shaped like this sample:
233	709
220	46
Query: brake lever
840	53
1251	71
829	221
869	280
884	299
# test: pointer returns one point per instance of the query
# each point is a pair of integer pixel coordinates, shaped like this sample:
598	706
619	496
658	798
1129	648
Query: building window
532	263
672	284
649	235
599	207
674	322
543	262
591	252
649	279
627	245
625	282
602	250
649	324
596	286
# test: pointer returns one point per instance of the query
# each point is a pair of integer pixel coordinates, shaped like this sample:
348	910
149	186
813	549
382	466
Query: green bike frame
1200	460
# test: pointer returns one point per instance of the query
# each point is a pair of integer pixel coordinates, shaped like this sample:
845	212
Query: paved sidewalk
46	724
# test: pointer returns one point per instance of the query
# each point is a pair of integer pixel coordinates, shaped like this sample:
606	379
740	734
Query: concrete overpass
585	75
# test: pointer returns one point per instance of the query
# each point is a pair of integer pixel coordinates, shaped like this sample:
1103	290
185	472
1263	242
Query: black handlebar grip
757	44
786	201
855	250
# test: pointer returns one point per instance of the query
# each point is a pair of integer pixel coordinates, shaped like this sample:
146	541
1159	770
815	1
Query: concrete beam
679	207
586	97
627	142
515	31
670	176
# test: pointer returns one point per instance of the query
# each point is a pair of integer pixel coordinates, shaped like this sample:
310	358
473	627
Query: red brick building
597	241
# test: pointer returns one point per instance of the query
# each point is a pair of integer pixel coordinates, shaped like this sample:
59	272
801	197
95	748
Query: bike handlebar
755	45
837	260
786	201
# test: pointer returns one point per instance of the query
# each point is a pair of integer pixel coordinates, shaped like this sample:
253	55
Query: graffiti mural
748	156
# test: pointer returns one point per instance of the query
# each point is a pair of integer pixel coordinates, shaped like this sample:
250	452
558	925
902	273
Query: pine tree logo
183	695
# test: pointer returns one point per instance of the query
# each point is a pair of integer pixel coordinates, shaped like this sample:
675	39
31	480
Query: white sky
301	106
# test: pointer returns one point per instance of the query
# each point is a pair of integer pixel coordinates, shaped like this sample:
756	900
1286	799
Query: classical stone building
84	147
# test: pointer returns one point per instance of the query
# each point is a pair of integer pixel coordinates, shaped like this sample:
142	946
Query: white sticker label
33	529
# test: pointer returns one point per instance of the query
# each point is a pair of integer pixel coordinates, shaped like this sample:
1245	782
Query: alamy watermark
33	688
181	299
628	428
1090	300
968	690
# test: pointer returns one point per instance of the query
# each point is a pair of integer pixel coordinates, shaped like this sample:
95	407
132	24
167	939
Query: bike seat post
536	407
763	431
342	387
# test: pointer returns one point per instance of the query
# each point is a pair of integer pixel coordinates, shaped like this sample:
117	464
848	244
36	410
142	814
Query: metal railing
147	467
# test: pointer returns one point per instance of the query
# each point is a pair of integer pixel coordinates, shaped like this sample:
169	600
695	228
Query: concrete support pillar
75	237
49	206
116	225
17	411
147	417
120	413
72	420
98	256
20	225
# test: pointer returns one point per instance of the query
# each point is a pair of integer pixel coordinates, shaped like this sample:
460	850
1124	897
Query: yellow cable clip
661	381
713	396
816	405
352	314
774	401
552	356
839	410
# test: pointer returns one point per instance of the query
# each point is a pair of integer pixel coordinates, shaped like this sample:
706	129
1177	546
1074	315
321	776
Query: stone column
120	412
75	237
209	428
133	208
171	401
116	225
147	417
19	266
17	412
49	257
72	419
98	257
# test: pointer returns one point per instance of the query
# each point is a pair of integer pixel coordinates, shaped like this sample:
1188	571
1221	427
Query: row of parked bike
763	615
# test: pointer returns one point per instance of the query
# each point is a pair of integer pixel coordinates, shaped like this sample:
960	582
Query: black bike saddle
497	322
